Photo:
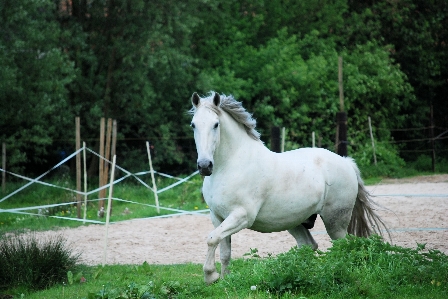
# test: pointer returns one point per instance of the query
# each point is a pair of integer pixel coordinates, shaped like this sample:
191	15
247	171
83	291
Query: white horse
248	186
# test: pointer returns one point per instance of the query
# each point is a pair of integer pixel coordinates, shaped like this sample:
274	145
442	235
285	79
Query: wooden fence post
373	141
107	152
154	186
313	139
114	138
433	156
78	166
342	124
85	180
102	193
109	200
3	166
283	139
275	139
341	117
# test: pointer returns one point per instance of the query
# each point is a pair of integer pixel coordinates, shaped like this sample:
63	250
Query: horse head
205	124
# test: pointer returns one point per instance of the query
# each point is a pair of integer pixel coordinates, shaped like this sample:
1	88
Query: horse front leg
236	221
225	255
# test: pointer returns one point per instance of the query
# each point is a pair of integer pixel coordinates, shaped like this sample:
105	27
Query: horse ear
216	99
195	99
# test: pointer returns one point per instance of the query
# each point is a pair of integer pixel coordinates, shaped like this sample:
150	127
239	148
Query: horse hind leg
303	236
337	221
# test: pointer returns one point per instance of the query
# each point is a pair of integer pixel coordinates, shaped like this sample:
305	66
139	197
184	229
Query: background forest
139	62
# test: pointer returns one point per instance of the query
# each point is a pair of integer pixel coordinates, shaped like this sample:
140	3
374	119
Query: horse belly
296	192
275	218
284	211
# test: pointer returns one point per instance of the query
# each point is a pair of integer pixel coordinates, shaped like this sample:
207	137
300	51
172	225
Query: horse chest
223	197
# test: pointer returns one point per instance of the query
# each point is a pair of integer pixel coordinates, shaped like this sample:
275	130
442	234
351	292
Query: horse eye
216	126
192	125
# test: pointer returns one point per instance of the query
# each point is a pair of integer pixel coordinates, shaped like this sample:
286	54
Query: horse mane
235	109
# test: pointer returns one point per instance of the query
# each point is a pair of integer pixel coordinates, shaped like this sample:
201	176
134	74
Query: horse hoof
211	278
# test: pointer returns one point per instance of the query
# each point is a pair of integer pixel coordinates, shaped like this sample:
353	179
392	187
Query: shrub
423	163
34	264
389	163
352	267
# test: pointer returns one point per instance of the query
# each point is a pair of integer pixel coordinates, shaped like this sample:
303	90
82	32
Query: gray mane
235	109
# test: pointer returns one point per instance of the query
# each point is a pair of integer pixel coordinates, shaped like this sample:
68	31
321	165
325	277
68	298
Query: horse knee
212	240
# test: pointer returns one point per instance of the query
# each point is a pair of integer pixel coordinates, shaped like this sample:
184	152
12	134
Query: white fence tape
397	230
179	182
127	175
36	180
59	217
136	176
411	195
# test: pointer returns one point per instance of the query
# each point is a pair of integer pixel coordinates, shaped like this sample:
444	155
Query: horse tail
365	220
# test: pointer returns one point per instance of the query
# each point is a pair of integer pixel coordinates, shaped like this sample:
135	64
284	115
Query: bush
423	163
353	267
389	163
34	264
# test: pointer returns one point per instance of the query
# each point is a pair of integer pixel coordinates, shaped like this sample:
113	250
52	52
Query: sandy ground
181	239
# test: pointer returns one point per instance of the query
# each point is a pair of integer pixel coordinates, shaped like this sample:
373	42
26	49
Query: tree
418	33
133	64
292	82
33	78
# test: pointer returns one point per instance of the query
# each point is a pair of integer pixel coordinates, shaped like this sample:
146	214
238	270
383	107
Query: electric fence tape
127	174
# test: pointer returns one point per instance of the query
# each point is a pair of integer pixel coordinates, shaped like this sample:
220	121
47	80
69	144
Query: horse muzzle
205	167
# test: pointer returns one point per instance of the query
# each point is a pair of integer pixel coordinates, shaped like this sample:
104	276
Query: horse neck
233	139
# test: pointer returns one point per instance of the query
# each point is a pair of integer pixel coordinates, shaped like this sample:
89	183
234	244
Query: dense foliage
139	61
34	74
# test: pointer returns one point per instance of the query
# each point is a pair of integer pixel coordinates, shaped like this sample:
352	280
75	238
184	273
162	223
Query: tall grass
32	263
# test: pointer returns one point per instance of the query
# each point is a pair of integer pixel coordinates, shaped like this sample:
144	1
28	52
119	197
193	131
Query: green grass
388	275
374	180
353	268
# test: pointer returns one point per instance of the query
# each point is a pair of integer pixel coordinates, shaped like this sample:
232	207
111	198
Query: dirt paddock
181	239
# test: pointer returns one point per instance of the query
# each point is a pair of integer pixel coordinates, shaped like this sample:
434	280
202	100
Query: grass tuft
34	264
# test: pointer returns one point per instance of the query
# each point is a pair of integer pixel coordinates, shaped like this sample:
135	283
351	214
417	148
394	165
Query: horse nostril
204	164
205	167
